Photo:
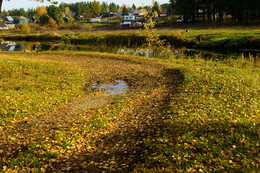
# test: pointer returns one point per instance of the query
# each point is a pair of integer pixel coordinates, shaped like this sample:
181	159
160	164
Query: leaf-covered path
97	132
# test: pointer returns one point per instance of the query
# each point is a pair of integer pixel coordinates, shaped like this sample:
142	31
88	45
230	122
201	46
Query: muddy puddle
118	87
102	95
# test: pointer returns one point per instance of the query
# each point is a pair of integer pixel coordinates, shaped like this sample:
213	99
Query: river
50	46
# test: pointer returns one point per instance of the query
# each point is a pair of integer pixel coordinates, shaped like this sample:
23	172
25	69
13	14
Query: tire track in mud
122	146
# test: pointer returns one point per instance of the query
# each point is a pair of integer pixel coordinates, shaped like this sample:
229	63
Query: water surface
50	46
118	88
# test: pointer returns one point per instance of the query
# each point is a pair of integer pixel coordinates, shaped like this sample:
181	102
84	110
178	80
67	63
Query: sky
16	4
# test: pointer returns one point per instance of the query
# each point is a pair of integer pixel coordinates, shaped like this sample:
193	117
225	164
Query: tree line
217	10
78	8
190	10
88	9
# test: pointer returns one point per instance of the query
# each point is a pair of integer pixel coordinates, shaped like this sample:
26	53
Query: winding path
121	145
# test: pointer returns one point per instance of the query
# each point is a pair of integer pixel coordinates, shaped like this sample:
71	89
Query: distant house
129	20
3	26
32	19
79	18
140	18
110	14
164	17
119	14
66	19
21	20
10	25
9	19
137	12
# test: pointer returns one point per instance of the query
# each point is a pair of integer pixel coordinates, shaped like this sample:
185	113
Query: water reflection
14	46
48	46
118	88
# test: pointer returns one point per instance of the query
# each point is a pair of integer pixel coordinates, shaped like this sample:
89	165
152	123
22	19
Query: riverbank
216	39
184	114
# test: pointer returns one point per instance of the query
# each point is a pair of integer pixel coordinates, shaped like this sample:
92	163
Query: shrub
52	23
44	20
25	29
70	26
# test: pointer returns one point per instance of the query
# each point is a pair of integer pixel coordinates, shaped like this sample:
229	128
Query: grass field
179	115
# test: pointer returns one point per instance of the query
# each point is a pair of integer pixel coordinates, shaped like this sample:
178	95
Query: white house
128	20
10	26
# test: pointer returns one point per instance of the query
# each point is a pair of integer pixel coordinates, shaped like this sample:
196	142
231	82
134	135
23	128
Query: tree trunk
1	2
220	16
204	19
209	13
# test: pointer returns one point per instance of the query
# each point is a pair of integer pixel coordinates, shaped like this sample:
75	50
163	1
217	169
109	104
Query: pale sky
16	4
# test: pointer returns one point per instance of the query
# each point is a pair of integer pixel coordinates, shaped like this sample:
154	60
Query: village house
109	14
3	26
9	19
21	20
128	20
6	26
119	14
79	18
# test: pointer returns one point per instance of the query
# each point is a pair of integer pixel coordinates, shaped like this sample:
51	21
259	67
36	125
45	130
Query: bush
25	29
52	23
71	26
44	20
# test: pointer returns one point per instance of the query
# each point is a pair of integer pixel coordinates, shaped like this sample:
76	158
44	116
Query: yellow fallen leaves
199	136
43	170
112	162
5	168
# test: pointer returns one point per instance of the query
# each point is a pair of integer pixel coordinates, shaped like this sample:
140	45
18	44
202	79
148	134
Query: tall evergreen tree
113	7
96	7
55	13
104	7
124	10
134	7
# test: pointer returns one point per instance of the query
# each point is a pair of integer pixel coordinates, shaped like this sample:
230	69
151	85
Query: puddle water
113	89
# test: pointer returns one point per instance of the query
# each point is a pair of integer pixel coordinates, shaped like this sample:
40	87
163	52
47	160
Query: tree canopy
95	7
113	7
156	7
55	13
217	10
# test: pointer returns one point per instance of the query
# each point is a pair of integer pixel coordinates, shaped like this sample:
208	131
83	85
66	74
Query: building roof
9	18
20	18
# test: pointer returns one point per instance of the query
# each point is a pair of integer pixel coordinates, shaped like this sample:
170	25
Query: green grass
213	123
232	38
29	86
